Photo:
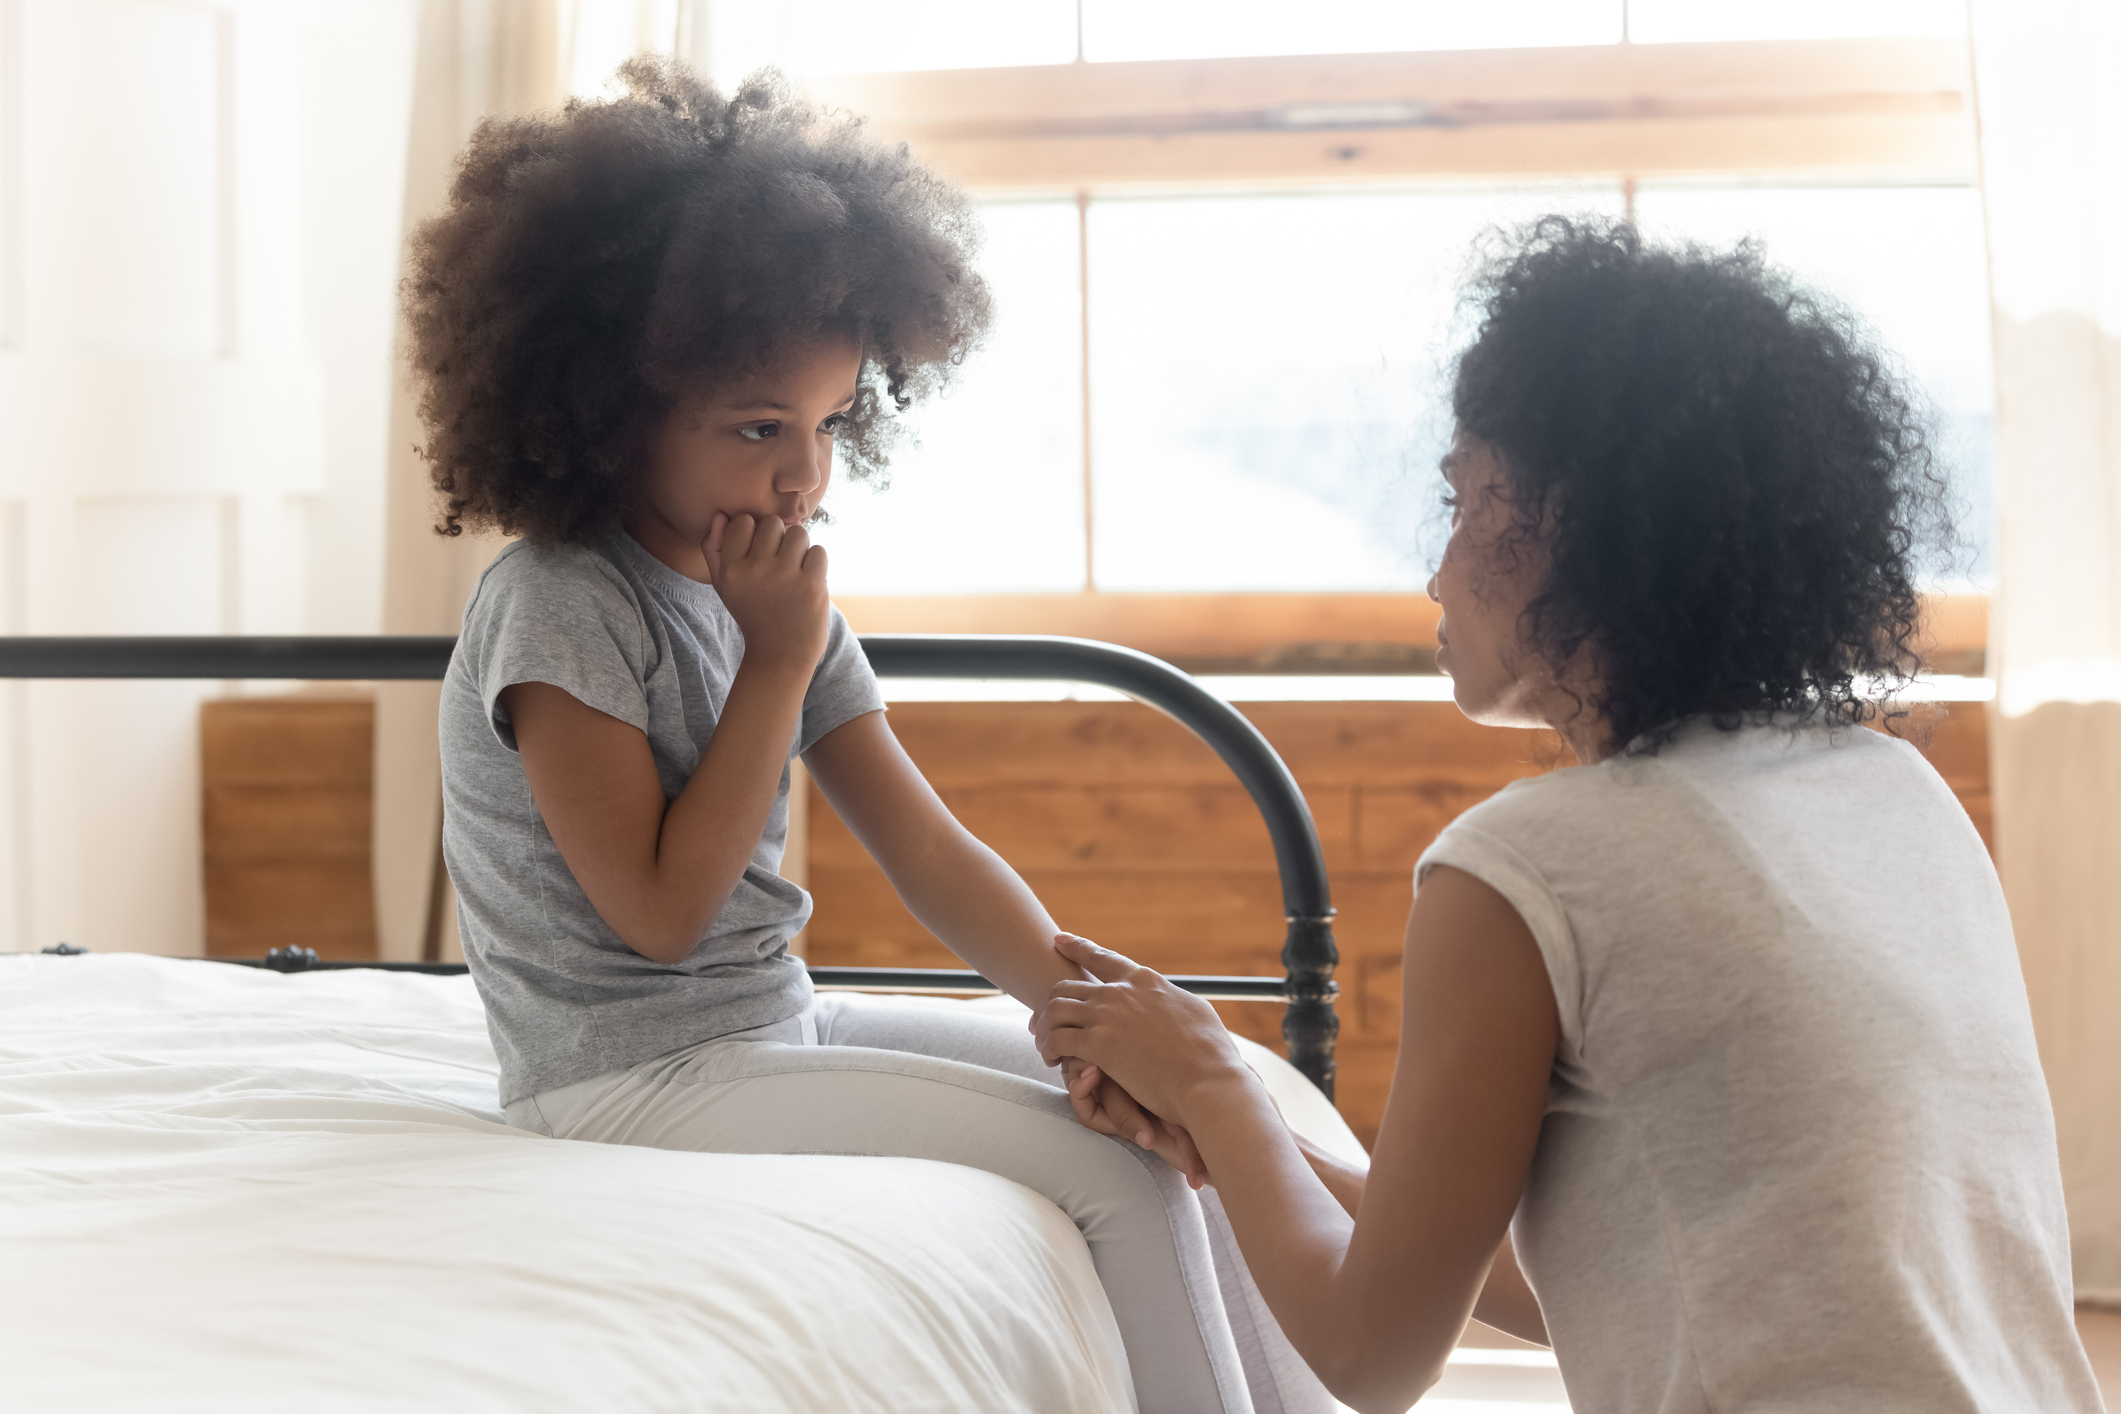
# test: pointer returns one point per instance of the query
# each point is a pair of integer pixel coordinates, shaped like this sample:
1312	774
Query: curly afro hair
598	263
1737	481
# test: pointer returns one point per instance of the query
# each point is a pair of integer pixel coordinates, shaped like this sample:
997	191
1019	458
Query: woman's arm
1507	1301
658	872
1374	1304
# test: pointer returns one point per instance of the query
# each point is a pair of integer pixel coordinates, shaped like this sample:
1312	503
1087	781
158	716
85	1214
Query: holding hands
1131	1034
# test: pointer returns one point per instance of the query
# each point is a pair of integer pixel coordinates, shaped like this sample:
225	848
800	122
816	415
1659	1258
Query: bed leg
1310	1024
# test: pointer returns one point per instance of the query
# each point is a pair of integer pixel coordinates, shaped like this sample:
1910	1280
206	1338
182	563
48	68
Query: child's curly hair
1739	482
598	263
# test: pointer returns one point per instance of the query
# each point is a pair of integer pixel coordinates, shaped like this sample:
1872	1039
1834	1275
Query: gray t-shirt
624	633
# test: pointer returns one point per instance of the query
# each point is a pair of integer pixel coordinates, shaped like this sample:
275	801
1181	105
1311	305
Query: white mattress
224	1189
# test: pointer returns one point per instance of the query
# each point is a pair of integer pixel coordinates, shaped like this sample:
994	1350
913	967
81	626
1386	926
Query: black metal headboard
1308	954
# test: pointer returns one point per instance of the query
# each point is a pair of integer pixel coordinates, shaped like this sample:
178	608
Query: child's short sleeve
559	616
843	687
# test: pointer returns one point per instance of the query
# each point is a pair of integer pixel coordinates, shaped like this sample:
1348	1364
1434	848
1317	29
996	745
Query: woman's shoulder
1704	775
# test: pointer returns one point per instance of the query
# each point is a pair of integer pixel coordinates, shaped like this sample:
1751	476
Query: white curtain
2045	75
475	57
198	232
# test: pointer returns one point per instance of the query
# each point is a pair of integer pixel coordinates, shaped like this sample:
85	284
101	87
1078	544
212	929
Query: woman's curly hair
1737	481
598	263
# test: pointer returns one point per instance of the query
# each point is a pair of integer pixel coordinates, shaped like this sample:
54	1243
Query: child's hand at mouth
772	581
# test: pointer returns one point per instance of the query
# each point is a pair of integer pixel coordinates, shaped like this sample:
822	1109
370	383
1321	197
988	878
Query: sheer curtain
476	57
198	229
2044	74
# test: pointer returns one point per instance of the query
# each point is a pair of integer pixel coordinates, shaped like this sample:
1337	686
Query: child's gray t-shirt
624	633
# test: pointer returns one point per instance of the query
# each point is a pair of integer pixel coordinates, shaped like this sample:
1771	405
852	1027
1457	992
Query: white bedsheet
225	1189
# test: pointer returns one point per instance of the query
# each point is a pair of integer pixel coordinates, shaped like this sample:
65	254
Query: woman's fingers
1060	1014
1101	963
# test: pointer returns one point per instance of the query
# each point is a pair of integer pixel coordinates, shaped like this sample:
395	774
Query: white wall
199	217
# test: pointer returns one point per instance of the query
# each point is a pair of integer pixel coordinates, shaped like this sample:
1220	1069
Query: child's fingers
1195	1167
1126	1116
711	547
737	535
766	535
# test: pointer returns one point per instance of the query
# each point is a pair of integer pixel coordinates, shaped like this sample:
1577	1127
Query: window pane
1656	21
986	492
857	36
1207	29
1910	261
1267	395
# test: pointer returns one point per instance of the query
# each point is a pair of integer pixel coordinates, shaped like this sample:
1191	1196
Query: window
1268	380
1665	21
1213	29
986	491
856	36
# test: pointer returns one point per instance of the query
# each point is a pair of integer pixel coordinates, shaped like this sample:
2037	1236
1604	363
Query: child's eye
759	431
832	425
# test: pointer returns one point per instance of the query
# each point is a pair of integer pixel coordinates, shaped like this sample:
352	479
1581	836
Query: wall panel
125	175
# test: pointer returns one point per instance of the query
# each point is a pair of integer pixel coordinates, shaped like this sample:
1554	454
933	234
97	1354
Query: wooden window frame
1892	110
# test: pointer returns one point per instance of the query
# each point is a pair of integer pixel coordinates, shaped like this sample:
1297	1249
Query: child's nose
802	467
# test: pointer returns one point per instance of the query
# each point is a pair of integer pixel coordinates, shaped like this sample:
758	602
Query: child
644	328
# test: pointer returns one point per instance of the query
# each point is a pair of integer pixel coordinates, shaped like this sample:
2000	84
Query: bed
237	1188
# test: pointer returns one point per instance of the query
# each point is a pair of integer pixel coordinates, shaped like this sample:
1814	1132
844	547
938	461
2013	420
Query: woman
1723	1025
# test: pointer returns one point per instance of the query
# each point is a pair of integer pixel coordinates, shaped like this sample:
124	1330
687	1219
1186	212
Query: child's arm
962	892
958	888
659	875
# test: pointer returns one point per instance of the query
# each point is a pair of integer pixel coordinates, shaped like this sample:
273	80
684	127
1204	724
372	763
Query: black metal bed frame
1308	952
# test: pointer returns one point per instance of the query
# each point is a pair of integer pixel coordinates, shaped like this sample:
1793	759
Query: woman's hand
1163	1045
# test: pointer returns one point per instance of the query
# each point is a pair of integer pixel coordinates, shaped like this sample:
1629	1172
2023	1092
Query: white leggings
927	1078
